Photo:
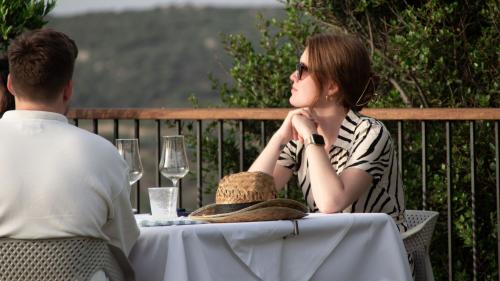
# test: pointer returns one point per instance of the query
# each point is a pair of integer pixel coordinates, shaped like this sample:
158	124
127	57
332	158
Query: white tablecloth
328	247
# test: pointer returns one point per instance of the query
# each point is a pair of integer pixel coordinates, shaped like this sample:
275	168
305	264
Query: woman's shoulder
366	123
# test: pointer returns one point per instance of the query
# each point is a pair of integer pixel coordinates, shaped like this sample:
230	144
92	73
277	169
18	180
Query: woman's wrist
279	139
308	133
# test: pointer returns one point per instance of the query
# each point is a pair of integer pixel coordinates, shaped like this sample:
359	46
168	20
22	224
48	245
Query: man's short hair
41	63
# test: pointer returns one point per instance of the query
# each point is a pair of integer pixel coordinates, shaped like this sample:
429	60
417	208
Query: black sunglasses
301	67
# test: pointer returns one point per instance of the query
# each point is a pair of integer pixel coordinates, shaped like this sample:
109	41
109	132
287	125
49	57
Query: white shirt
57	180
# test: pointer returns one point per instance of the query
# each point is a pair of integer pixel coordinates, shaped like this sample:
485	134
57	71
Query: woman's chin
293	102
297	103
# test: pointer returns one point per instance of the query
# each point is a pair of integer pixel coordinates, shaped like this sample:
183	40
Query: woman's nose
293	76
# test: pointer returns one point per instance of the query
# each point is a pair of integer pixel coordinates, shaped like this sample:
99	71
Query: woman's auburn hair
344	60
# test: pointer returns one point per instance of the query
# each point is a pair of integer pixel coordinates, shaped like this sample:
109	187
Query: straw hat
248	196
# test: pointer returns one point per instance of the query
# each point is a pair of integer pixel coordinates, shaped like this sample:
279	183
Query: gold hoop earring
329	98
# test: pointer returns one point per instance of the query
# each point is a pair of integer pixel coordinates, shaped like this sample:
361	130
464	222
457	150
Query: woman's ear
331	91
333	88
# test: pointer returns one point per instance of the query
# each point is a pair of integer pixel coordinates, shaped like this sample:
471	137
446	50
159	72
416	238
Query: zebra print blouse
363	143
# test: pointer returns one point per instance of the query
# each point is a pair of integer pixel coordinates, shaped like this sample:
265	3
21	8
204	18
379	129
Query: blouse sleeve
288	156
371	149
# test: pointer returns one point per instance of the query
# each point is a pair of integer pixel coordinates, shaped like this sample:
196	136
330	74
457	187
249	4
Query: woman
6	98
345	162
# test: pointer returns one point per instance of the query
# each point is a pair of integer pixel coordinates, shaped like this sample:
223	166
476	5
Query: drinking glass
129	150
174	163
163	201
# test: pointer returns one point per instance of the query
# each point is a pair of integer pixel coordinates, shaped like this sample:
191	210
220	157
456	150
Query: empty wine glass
174	163
129	150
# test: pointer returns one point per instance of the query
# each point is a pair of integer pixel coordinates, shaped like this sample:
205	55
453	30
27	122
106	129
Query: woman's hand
304	123
304	126
299	117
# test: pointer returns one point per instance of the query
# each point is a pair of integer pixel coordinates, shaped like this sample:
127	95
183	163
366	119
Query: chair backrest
417	240
75	258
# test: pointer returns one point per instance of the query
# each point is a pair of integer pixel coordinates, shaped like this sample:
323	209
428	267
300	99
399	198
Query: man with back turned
56	180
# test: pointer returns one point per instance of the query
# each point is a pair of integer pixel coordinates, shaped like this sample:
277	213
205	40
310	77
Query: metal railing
199	117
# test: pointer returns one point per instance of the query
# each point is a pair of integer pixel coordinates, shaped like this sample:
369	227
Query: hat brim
275	209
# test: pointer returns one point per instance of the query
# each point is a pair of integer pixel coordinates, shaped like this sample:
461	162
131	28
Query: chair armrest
412	231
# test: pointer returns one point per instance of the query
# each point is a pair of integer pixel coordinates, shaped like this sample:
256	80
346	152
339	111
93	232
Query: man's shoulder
90	141
96	150
87	136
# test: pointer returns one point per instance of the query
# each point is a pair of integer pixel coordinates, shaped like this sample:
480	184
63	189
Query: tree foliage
261	73
429	54
18	16
432	53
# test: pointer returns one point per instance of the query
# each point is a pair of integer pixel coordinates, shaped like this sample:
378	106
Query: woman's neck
329	122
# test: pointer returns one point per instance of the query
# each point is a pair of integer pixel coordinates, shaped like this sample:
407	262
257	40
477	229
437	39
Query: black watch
314	139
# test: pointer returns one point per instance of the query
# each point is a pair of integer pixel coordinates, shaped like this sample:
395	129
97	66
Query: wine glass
174	163
129	150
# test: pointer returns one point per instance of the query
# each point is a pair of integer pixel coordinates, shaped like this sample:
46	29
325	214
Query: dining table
341	246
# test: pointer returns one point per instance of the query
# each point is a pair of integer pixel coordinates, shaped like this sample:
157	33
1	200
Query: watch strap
315	139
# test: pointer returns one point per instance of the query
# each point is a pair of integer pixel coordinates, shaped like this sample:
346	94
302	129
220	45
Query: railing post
178	126
449	200
497	176
158	151
138	184
116	131
263	134
95	126
242	145
473	199
199	162
220	148
424	166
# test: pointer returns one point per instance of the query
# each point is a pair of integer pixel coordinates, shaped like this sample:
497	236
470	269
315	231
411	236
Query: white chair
75	259
417	241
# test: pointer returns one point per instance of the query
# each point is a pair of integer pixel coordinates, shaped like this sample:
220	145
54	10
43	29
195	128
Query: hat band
228	208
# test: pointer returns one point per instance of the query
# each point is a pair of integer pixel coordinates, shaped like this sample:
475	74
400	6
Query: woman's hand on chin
300	123
304	125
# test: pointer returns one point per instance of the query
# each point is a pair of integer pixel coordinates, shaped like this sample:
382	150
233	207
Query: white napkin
146	220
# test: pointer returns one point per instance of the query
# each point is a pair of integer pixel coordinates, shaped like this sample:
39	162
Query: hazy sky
69	7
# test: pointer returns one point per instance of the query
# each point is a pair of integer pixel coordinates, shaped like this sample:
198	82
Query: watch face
317	139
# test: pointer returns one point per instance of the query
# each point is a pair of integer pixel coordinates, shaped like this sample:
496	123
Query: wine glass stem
175	181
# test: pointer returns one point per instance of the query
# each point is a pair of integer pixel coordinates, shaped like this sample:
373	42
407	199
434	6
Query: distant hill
153	58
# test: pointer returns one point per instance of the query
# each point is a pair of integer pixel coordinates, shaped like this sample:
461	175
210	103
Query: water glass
163	201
